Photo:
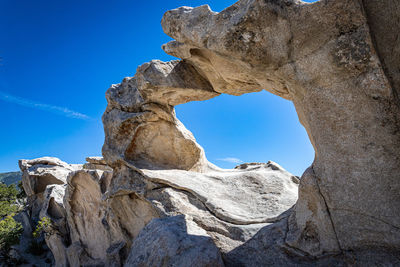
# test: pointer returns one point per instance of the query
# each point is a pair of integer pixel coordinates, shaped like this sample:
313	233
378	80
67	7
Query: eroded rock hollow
155	200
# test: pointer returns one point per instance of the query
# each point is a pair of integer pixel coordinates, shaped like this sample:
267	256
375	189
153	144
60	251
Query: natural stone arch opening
255	127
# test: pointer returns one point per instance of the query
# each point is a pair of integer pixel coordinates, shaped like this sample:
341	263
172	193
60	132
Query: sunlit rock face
38	174
337	62
155	200
332	59
100	217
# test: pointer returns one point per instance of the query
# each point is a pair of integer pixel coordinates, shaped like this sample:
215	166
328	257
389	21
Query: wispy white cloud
231	160
46	107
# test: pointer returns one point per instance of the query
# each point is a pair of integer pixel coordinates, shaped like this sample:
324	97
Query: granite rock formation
103	217
337	61
163	203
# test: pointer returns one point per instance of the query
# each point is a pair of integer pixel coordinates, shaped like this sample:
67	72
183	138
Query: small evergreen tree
10	230
43	226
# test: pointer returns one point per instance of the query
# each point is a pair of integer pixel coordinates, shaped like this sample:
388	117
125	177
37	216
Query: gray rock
226	236
96	160
140	123
345	98
165	204
92	166
57	238
40	172
96	163
86	214
258	195
175	242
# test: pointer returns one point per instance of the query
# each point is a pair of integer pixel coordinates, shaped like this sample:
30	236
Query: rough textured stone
309	227
86	211
257	195
165	204
97	214
96	163
232	210
226	236
57	239
96	160
173	242
384	21
140	123
40	172
44	181
326	62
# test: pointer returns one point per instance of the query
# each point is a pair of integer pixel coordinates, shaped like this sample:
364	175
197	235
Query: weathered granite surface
163	203
337	62
99	217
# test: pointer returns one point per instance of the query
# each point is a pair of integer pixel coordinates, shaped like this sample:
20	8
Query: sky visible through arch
59	57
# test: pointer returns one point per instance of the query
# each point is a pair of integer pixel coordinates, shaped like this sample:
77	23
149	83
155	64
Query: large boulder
44	181
87	216
39	173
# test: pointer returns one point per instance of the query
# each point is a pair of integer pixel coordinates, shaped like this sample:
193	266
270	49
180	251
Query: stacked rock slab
96	163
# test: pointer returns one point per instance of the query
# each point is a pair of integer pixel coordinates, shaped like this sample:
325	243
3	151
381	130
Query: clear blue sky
59	58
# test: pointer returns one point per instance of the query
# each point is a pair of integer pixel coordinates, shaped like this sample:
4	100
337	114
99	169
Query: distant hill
10	177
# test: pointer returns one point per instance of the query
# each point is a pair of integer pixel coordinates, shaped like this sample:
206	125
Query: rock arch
337	63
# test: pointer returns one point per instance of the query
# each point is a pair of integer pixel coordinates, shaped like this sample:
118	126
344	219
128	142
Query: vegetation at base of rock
8	193
10	232
43	226
8	197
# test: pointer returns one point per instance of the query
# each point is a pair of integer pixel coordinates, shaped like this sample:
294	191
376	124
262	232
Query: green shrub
43	226
6	208
10	232
8	197
8	193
